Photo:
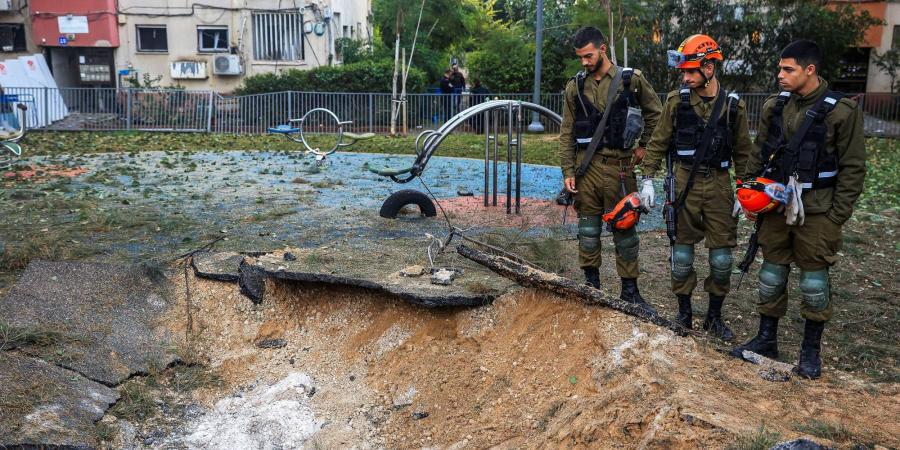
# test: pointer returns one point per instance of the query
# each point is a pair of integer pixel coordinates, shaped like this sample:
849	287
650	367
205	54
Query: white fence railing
206	111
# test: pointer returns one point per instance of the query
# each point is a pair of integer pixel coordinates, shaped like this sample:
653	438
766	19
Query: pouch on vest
634	125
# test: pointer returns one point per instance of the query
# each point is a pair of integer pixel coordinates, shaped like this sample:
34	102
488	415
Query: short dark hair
588	35
805	52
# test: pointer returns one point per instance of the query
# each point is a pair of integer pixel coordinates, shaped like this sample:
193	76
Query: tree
889	62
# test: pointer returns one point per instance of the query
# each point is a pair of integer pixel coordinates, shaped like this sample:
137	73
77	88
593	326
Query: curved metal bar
319	153
442	132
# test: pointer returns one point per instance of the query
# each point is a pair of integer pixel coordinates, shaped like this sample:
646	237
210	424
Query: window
12	37
278	37
212	39
896	37
152	38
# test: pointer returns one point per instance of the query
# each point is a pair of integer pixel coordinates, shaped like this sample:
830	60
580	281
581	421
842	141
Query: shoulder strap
815	114
734	101
601	127
702	147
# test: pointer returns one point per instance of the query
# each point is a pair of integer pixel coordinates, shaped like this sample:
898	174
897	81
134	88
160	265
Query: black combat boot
810	363
592	277
631	294
714	323
766	341
685	314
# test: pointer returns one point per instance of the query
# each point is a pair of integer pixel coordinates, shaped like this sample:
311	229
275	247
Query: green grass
759	439
13	337
882	176
825	430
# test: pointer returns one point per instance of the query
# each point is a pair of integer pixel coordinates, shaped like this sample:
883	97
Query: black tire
392	206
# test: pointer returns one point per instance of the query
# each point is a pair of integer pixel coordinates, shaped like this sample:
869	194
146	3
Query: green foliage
491	62
446	25
889	63
362	76
882	176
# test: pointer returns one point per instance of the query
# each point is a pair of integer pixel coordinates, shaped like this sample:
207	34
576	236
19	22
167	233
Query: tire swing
392	206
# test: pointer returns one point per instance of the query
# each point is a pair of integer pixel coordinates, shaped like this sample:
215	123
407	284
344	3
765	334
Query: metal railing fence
206	111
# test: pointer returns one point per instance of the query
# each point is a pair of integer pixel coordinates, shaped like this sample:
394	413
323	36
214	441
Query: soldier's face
589	55
692	78
792	76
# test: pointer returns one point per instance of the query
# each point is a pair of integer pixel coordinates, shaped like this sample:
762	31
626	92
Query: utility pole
535	126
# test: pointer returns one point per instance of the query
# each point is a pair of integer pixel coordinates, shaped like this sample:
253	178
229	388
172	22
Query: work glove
648	193
737	209
793	210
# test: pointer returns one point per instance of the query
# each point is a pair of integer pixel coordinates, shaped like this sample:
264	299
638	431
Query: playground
214	297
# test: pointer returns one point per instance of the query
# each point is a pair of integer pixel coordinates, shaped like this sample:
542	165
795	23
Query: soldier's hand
570	185
639	154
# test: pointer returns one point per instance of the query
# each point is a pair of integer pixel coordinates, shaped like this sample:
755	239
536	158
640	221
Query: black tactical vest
814	166
689	129
587	116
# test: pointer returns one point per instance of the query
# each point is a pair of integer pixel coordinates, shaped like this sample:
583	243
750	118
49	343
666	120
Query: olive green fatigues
599	188
707	209
814	245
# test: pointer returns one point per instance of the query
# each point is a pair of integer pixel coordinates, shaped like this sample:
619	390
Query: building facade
209	45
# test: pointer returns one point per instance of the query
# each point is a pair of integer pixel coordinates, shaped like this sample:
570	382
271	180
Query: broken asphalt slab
378	270
107	317
44	406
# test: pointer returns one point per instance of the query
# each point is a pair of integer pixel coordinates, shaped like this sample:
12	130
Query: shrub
362	76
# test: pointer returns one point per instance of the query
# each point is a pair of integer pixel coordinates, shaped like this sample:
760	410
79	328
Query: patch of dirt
44	173
531	370
534	212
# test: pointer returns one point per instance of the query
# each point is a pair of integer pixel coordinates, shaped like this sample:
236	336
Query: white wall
880	81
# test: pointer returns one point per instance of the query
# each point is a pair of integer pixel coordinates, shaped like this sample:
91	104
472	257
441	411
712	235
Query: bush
363	76
491	62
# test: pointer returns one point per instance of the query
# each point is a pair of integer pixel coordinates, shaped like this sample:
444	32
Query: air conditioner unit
227	65
6	5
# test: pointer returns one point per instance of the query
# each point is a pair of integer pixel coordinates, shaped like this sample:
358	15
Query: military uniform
706	213
828	202
599	187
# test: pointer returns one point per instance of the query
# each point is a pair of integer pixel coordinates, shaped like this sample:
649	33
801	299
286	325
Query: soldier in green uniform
597	180
704	211
811	141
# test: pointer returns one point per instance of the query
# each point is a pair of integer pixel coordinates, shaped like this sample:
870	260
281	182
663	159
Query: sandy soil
532	370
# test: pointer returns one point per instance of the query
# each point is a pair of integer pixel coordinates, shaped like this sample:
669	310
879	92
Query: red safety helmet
626	213
693	51
761	195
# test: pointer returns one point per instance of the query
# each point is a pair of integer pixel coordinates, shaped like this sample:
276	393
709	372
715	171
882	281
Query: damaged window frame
220	36
157	27
16	33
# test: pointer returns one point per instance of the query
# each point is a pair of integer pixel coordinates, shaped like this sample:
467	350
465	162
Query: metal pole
371	112
487	155
46	107
495	122
519	120
535	126
128	109
509	143
209	113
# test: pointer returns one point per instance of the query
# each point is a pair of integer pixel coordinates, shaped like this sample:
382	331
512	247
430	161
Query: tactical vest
587	116
689	129
810	161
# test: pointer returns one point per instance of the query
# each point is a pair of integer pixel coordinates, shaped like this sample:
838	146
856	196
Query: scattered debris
444	276
272	343
412	271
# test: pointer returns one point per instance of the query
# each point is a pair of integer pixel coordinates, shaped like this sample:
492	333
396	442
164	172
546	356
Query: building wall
182	35
880	81
15	16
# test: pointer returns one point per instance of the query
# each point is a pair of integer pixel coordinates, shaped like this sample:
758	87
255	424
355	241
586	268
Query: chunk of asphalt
101	320
46	406
252	281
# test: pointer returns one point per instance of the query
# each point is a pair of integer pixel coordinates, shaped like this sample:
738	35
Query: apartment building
197	45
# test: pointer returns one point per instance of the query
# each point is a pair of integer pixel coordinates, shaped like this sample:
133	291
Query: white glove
648	193
737	209
794	208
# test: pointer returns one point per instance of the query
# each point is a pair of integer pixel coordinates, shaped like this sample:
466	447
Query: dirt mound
531	370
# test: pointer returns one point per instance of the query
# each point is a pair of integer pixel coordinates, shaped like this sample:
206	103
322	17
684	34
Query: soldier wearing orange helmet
811	141
702	133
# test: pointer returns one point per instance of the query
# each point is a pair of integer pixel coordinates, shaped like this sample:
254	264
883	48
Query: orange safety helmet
761	195
693	51
626	213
